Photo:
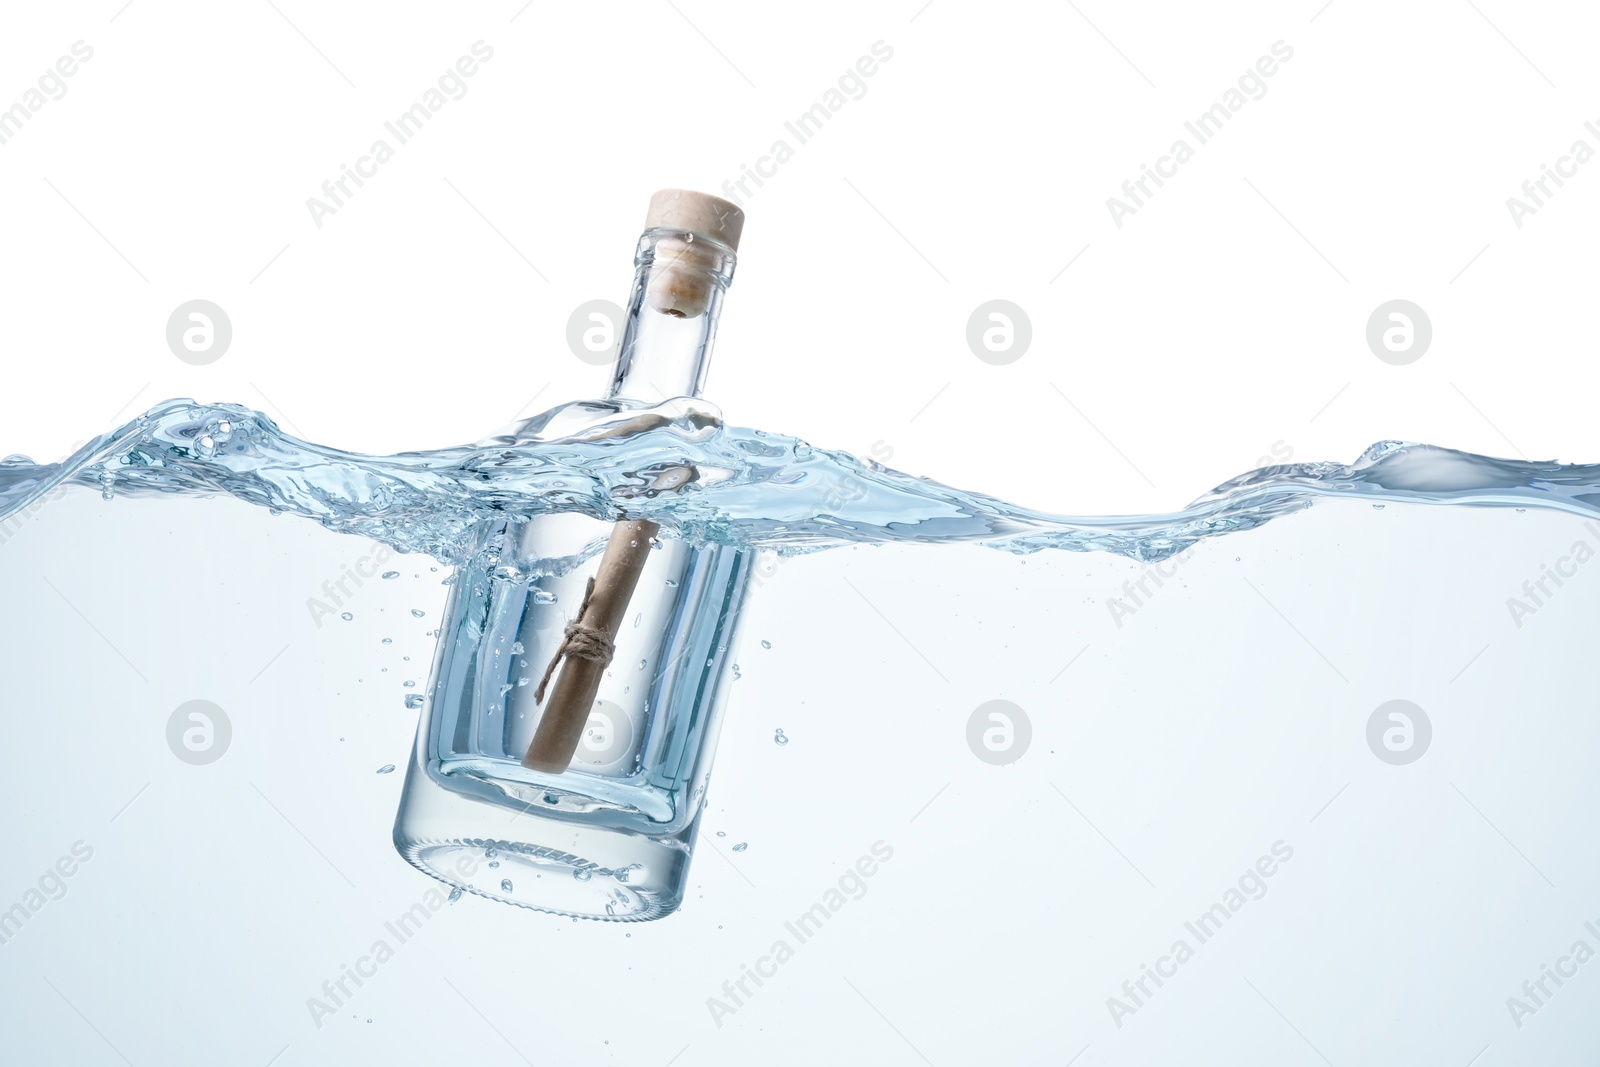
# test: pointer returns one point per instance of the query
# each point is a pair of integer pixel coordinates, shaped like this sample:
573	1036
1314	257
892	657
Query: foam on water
677	464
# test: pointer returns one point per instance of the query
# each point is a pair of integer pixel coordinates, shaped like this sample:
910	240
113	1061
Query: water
1182	700
708	483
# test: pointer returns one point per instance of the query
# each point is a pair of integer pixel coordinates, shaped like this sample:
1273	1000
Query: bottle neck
672	315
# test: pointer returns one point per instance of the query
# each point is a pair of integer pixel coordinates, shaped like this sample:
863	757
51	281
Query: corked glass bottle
609	836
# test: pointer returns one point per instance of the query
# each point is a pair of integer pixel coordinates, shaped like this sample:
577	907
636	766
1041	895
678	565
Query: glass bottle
611	836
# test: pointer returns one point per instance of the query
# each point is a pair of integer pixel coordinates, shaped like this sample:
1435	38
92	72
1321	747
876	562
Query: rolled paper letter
587	648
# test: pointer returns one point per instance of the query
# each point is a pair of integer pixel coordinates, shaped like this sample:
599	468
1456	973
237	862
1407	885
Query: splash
679	465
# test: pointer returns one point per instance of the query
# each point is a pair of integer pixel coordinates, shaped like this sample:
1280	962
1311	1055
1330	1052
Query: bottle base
578	869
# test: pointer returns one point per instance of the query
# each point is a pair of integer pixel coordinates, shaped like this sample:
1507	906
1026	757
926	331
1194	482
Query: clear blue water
1204	691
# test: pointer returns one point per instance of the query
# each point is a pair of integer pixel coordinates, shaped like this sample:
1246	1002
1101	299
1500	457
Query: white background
977	165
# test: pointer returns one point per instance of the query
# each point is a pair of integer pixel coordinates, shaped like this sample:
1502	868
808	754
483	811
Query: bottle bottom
586	870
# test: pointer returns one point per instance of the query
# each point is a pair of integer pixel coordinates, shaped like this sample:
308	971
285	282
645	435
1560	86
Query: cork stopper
701	213
681	285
